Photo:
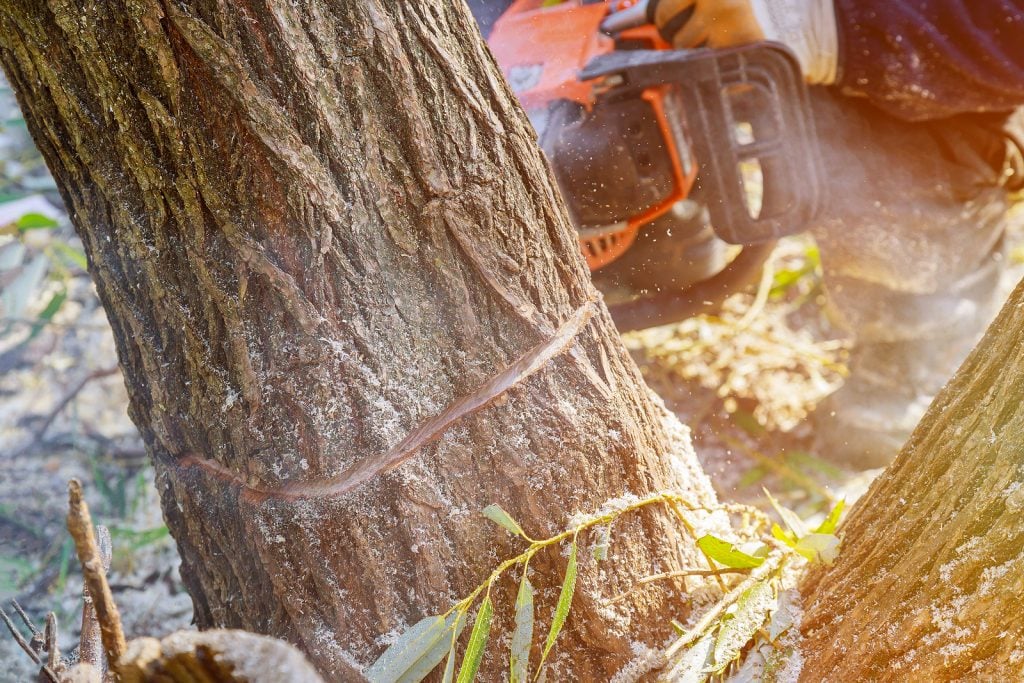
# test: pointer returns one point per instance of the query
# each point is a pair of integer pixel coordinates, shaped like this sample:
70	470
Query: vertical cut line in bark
365	470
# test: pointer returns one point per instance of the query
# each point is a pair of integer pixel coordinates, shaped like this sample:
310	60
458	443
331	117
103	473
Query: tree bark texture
351	312
929	580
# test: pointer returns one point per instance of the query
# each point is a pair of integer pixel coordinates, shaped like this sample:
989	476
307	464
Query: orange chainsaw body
542	49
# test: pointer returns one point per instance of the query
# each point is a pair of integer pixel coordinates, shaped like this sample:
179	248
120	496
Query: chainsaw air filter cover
748	115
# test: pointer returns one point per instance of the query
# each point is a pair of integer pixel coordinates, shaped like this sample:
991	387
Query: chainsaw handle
743	105
621	20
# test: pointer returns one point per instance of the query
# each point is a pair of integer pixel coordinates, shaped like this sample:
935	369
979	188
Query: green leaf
46	315
751	611
562	608
726	553
403	654
432	657
783	616
791	519
818	547
496	514
477	642
695	664
35	221
449	667
522	637
832	521
785	536
74	256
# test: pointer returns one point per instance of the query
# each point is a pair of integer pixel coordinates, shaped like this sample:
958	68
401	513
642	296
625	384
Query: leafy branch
736	618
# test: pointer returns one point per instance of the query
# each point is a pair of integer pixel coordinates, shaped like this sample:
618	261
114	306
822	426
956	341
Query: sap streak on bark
315	226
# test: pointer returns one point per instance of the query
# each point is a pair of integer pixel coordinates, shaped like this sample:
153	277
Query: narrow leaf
784	614
818	547
785	536
695	664
792	520
522	637
432	657
477	642
449	667
832	521
726	553
404	652
751	610
496	514
46	315
562	608
36	221
73	256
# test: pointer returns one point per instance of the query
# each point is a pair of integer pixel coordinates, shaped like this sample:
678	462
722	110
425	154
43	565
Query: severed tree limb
91	641
80	526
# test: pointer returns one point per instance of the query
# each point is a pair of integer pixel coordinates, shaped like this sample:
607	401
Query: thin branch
24	618
80	526
18	638
679	573
62	404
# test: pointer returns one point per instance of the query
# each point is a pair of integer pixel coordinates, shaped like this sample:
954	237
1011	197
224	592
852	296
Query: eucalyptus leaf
497	514
562	608
413	644
726	553
477	642
791	519
522	637
832	521
432	657
751	611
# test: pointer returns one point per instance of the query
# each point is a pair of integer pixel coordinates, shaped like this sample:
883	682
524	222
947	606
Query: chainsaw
664	157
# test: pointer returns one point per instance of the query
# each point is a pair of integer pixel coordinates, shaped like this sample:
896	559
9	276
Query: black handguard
746	107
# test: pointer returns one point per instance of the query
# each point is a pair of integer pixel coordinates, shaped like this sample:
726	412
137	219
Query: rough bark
317	227
929	580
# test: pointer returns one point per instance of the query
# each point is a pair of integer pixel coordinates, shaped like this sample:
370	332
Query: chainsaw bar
750	123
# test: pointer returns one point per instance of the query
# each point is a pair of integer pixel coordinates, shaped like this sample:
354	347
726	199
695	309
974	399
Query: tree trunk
350	310
929	580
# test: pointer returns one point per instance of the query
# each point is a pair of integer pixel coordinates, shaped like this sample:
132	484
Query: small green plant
712	644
